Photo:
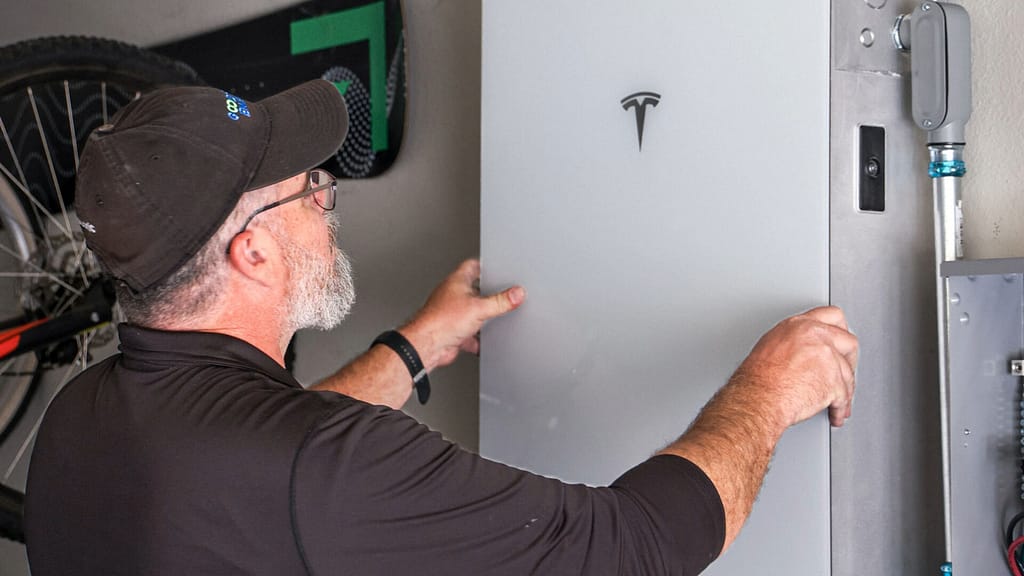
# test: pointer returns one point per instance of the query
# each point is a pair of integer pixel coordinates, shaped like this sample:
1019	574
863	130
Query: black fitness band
394	340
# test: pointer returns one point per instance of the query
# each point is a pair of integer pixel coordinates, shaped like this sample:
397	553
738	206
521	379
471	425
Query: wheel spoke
21	183
68	374
49	275
14	157
8	409
79	249
49	162
85	341
24	238
103	101
65	305
71	123
7	366
39	271
81	357
26	275
35	202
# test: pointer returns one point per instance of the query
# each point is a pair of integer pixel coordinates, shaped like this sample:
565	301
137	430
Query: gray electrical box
985	338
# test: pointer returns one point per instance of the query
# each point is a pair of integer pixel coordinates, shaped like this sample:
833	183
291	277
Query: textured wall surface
994	186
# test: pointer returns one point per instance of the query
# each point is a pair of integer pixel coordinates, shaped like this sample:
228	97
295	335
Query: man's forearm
378	376
446	325
800	367
732	441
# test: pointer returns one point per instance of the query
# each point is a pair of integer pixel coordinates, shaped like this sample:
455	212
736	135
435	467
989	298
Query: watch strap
421	382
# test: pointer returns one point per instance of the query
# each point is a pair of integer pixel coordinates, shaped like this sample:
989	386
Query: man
195	452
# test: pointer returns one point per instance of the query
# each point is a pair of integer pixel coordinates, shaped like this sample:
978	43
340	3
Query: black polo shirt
195	453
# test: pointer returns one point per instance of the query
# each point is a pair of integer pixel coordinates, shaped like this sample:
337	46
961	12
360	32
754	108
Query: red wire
1011	554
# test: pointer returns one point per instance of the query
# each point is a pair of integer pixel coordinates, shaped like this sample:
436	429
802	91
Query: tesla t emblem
639	102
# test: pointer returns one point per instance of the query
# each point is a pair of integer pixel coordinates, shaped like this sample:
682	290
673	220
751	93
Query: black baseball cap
156	183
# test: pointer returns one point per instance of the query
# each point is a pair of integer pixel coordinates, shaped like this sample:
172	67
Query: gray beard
322	292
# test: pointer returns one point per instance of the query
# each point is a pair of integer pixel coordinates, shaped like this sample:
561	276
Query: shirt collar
160	347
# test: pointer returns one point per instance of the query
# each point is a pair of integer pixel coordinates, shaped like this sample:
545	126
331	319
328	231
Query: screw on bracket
1017	367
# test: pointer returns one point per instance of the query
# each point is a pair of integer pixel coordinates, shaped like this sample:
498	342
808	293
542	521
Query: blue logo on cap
236	107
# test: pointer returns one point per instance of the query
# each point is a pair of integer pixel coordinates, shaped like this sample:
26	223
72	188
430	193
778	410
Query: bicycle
56	312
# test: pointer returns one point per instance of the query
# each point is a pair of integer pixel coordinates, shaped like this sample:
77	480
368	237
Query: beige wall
994	186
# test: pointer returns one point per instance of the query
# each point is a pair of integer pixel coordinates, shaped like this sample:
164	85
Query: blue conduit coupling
943	168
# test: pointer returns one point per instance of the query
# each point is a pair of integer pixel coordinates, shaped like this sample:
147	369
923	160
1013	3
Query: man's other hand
451	319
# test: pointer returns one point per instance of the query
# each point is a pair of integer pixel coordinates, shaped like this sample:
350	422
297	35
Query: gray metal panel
985	334
652	273
886	462
983	267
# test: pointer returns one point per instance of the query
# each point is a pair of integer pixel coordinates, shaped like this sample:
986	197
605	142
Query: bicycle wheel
53	93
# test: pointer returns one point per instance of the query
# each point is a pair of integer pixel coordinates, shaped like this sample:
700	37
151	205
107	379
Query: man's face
321	291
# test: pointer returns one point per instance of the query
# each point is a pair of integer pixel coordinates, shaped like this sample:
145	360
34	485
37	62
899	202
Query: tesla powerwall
656	174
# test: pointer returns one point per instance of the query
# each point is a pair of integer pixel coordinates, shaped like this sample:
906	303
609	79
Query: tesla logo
639	103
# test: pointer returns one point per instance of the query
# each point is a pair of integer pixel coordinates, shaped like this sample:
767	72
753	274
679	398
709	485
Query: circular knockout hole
867	37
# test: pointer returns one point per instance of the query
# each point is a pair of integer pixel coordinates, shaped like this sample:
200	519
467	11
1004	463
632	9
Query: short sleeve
375	492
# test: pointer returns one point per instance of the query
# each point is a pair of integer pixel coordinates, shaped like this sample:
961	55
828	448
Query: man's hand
805	364
447	323
453	315
800	367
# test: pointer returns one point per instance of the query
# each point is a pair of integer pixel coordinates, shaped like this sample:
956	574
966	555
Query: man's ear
253	254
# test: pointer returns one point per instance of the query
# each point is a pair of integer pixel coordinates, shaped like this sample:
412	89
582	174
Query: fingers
835	330
846	370
838	414
494	305
815	356
471	345
828	315
503	302
841	407
455	312
845	348
468	271
844	342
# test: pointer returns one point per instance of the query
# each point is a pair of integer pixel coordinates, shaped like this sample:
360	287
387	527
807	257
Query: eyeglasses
321	185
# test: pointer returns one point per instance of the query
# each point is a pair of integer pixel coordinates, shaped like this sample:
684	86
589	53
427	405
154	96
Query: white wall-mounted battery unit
656	174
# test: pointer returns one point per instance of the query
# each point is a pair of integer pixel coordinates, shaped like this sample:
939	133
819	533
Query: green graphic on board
358	45
365	23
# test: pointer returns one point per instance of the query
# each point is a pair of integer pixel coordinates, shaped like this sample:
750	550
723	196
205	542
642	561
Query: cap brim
308	124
